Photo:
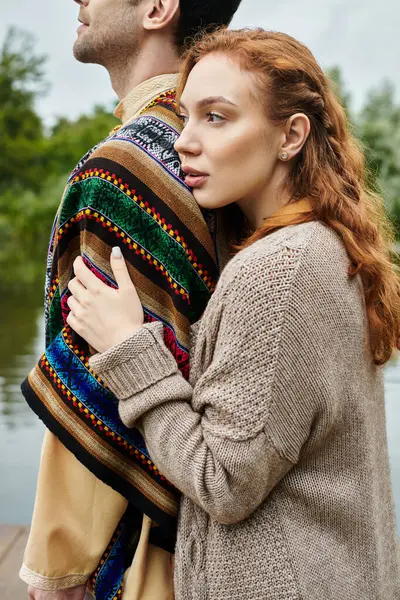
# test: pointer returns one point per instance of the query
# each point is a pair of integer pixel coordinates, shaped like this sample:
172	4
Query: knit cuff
136	363
51	584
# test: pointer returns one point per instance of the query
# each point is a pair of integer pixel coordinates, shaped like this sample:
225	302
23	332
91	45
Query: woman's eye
184	119
214	117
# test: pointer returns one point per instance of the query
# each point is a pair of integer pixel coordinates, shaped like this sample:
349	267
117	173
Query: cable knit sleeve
223	442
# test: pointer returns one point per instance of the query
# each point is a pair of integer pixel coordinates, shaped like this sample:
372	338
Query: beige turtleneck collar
131	106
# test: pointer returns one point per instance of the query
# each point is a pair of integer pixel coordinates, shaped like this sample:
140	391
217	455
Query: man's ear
297	130
161	14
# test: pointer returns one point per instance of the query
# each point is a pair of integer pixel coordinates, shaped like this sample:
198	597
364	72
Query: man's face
109	31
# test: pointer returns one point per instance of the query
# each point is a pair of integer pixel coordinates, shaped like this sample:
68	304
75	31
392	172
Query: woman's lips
195	181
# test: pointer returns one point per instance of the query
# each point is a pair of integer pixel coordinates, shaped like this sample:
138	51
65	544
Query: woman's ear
161	14
297	130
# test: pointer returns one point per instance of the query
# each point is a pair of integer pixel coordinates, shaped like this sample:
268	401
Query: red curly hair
330	170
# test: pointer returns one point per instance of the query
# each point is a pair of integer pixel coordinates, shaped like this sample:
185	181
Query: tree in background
70	140
21	129
34	163
336	78
25	222
378	127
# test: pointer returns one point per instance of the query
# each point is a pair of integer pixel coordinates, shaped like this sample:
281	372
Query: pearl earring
283	156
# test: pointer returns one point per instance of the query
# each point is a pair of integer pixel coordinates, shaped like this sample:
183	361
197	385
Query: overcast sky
360	36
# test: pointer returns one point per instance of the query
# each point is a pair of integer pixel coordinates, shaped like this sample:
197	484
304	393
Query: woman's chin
206	199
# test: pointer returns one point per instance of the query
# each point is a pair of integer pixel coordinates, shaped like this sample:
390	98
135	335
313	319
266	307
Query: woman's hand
104	316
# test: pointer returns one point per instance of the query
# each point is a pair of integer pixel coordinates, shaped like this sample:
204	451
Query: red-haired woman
278	441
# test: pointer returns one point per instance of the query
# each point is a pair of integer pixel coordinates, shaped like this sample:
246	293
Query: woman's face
228	149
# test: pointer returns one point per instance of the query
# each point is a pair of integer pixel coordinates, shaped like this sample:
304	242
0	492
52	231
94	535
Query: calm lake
21	343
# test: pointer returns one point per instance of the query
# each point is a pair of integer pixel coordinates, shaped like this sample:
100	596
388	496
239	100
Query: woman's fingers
74	323
74	306
78	290
99	314
85	275
119	268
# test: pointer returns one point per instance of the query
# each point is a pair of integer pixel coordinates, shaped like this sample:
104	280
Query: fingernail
116	252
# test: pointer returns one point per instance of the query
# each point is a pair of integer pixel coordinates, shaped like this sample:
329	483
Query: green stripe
55	322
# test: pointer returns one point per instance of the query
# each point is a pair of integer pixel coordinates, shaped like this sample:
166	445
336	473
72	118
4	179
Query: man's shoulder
148	138
154	137
138	162
164	107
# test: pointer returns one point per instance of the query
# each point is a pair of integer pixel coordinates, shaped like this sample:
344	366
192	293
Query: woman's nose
186	143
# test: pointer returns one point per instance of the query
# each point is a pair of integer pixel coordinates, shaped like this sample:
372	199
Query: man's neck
148	63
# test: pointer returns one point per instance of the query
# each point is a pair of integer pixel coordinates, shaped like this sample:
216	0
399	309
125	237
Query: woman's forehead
217	75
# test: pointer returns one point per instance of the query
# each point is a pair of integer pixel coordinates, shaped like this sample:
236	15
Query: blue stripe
111	574
87	390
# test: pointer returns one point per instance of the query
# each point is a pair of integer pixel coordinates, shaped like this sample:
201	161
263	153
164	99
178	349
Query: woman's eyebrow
210	100
214	100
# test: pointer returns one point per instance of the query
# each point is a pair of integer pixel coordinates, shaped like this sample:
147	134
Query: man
104	516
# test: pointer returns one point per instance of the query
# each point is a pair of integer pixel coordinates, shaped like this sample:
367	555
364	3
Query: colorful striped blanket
127	191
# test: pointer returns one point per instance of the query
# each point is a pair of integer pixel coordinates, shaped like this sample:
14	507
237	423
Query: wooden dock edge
13	540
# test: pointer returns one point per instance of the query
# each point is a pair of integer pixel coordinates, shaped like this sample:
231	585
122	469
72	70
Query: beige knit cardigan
278	442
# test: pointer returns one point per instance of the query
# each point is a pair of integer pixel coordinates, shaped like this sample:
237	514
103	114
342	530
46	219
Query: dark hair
330	171
199	15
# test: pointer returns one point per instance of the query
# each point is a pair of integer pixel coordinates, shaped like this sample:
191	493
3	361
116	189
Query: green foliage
338	86
70	140
25	223
34	164
378	127
21	129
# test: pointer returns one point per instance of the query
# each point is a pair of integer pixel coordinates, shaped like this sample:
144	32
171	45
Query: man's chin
84	53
